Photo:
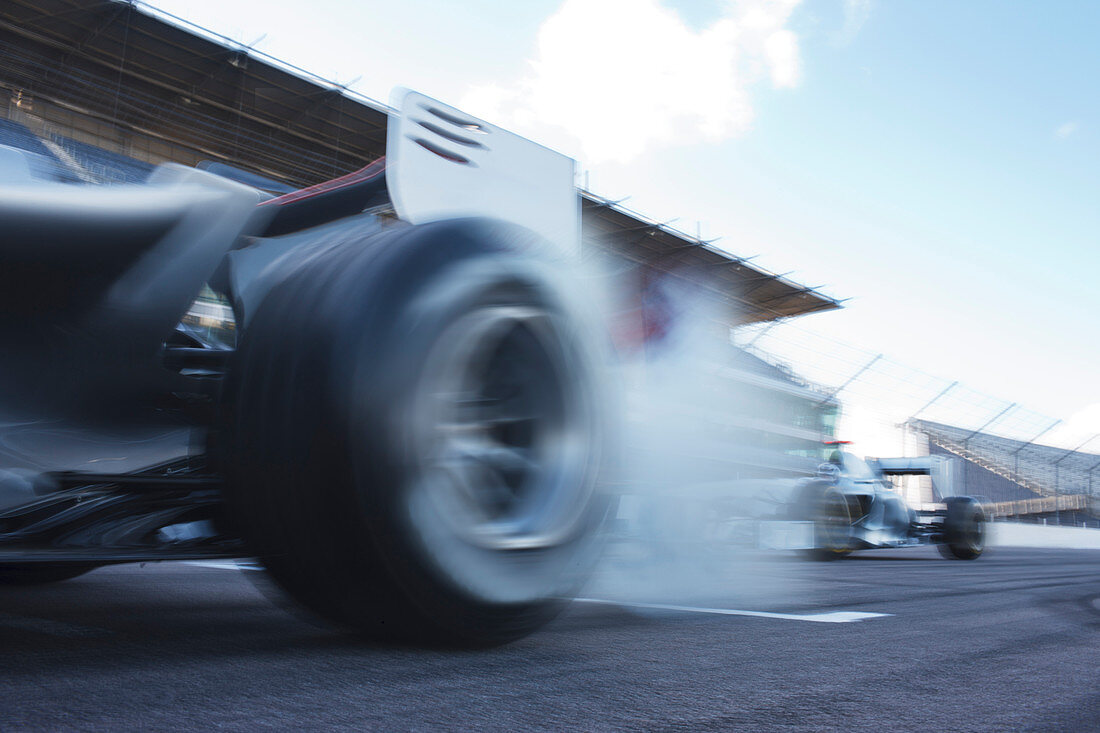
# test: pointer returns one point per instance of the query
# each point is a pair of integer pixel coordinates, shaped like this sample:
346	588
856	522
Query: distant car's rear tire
964	529
826	506
413	435
30	573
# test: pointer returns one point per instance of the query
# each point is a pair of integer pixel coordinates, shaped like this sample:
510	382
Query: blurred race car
852	506
404	423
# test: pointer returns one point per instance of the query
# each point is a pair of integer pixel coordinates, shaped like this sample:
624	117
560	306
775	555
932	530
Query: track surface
1010	642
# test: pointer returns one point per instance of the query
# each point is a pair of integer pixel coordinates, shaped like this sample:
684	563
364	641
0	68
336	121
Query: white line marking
832	617
225	564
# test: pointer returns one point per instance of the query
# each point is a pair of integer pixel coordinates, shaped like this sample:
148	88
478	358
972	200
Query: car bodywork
108	400
853	505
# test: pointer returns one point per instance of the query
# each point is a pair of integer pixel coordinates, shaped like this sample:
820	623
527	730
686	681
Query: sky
936	162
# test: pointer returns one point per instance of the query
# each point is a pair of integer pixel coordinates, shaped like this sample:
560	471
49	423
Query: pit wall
1014	534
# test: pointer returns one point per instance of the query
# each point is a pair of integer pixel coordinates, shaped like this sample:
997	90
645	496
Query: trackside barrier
1013	534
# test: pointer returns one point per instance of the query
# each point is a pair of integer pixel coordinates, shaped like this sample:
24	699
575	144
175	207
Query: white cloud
626	76
1066	129
1080	429
856	14
1087	419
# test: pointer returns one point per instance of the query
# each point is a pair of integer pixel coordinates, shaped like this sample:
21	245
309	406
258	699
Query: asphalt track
1009	642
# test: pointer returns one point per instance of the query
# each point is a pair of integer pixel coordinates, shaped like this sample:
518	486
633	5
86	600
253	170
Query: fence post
1057	474
1094	467
1016	453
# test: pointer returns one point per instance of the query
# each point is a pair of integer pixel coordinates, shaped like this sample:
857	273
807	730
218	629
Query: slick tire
964	529
413	434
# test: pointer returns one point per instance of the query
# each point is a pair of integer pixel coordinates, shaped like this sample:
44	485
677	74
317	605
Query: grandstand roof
158	76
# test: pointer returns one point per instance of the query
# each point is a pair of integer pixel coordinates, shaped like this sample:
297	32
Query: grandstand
104	89
43	162
96	165
1021	479
64	159
16	135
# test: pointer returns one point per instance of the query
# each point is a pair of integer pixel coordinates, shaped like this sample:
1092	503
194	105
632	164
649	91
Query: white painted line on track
224	564
832	617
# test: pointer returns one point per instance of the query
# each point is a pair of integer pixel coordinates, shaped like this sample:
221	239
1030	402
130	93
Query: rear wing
443	163
944	470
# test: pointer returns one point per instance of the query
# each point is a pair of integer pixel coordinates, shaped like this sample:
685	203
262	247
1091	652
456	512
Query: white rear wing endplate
442	163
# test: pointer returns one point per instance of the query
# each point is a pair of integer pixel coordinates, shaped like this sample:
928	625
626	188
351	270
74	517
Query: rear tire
964	529
413	436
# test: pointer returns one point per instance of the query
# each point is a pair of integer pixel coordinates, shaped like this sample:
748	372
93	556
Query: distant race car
852	506
405	427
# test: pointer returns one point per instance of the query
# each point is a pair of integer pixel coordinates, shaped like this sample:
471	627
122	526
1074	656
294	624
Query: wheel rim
502	437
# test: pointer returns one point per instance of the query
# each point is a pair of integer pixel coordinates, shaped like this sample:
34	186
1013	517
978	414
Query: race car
852	505
405	424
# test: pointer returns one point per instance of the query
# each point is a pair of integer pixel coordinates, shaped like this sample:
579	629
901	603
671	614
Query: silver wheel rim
502	439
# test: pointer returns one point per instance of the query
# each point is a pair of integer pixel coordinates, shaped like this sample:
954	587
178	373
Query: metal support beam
998	416
1071	451
934	400
850	379
762	332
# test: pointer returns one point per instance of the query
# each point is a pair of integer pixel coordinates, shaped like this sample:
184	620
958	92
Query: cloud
1066	129
627	76
1085	422
1080	429
856	14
